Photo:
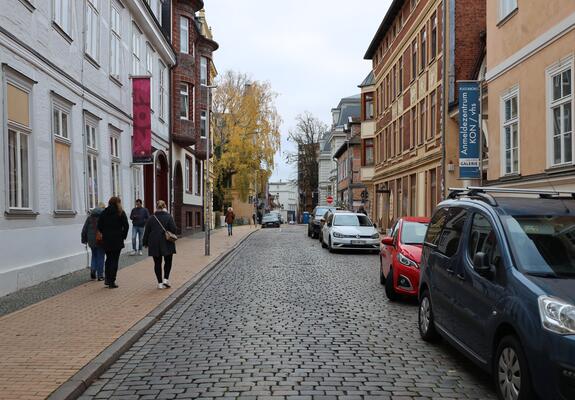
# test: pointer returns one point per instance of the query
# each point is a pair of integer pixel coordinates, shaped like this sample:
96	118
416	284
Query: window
116	163
405	196
162	93
433	44
203	124
414	59
483	240
400	76
115	40
198	177
136	49
560	109
510	131
414	127
62	154
506	7
198	219
184	101
92	29
422	120
189	175
368	152
435	226
184	35
150	72
137	183
452	229
423	57
413	4
368	106
203	70
432	189
412	194
394	81
92	162
433	116
400	135
61	14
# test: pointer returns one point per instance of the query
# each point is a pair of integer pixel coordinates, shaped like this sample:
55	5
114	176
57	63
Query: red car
400	256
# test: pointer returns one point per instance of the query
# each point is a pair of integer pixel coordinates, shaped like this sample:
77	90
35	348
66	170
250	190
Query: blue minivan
498	283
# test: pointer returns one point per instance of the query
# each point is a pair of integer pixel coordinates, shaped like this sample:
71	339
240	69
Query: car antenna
567	210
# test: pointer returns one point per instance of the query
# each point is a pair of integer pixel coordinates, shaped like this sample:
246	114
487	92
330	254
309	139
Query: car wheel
381	275
308	232
425	319
389	289
331	249
322	242
511	373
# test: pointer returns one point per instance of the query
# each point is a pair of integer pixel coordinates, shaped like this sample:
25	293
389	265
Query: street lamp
207	192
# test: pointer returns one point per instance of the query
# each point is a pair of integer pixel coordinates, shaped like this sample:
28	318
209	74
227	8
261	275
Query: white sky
310	51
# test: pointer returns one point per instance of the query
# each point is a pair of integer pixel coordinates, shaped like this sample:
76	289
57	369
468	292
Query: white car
349	231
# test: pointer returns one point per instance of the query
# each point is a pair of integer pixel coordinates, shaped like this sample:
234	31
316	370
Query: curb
81	380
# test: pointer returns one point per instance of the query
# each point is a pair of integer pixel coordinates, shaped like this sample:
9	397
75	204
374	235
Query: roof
354	141
392	12
348	107
368	81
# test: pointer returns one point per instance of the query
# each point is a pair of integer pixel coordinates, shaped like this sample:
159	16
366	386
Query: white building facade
66	120
285	196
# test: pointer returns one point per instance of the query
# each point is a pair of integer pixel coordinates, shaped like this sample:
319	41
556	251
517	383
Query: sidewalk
44	345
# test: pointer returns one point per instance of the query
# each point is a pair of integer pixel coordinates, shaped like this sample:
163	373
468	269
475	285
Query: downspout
444	100
170	157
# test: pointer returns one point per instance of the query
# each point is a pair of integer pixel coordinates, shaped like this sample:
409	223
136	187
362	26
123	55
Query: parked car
344	230
498	283
400	257
279	214
314	225
271	221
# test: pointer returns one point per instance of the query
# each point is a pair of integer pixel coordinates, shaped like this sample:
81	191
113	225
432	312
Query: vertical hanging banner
469	129
142	123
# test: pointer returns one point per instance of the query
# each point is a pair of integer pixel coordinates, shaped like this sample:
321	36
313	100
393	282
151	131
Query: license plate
357	242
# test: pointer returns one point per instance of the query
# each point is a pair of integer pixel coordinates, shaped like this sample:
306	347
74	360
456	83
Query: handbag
99	236
170	237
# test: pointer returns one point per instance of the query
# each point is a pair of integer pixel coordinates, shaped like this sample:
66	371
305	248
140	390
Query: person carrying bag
161	243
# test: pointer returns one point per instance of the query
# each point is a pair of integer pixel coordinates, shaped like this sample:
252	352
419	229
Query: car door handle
450	271
461	277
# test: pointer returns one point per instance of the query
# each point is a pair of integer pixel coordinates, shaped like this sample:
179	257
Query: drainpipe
443	98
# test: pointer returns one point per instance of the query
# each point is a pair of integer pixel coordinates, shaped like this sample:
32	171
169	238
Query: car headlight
338	235
406	261
375	236
557	316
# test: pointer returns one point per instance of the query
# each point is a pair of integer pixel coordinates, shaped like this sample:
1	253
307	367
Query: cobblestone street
282	318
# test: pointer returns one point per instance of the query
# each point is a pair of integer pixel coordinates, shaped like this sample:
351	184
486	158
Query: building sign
142	123
469	129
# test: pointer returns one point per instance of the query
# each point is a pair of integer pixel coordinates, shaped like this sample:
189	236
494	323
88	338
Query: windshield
543	244
270	218
321	211
413	232
351	220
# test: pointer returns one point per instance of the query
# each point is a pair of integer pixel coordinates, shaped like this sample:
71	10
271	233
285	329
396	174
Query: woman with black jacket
158	246
114	226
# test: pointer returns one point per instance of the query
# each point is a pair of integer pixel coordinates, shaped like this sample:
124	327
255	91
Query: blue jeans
137	231
230	229
97	263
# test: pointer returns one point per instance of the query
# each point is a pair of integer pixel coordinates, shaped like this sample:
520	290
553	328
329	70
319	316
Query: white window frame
61	108
203	123
150	71
61	14
184	35
116	163
187	168
115	41
204	70
136	49
185	93
92	24
137	178
506	7
555	69
508	95
162	91
92	163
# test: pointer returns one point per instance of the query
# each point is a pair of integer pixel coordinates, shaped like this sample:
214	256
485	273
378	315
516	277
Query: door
390	252
476	304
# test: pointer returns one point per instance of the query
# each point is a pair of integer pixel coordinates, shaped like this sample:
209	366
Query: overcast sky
310	51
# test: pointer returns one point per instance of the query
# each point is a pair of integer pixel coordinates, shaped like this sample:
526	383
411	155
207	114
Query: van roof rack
473	193
484	193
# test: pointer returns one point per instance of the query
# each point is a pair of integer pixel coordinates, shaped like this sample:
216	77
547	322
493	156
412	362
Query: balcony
196	5
186	134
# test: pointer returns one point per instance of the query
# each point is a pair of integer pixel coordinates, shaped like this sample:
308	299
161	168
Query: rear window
435	226
321	211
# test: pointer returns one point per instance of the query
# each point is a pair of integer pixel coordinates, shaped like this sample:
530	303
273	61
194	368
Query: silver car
349	231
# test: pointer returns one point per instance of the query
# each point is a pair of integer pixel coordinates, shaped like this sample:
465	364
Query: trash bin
305	218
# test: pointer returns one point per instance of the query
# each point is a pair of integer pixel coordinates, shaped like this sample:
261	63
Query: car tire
381	275
331	249
425	321
511	372
322	242
389	289
308	232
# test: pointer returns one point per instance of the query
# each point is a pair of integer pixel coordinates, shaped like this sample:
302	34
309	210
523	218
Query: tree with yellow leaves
246	136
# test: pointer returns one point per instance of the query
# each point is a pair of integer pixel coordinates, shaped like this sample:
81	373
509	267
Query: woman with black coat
158	246
114	226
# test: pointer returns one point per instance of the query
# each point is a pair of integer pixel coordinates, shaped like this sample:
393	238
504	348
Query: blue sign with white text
469	130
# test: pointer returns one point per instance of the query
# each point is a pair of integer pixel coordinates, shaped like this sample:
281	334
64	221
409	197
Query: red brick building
194	46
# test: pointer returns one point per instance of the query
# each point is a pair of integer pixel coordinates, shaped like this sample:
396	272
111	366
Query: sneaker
113	285
161	286
100	279
167	283
134	253
140	253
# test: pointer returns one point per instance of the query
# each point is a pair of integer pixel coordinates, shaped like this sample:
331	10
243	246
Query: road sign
329	199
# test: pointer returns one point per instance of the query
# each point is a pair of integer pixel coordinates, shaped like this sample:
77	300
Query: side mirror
388	241
375	225
481	264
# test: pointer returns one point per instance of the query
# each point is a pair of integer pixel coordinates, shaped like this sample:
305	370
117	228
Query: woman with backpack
160	240
93	238
113	223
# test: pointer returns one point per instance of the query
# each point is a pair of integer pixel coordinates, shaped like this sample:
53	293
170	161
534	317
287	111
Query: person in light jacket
89	237
158	246
113	224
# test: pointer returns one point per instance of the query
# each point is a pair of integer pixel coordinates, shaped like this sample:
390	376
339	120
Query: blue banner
469	129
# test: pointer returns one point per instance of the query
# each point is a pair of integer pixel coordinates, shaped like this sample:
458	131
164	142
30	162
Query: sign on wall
142	123
469	129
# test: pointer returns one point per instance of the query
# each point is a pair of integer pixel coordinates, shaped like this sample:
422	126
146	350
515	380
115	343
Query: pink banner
142	133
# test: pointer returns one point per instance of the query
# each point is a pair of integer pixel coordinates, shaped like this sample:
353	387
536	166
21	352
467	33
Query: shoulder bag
170	237
99	236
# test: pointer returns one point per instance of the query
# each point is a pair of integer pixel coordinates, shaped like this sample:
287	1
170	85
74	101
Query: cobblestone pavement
286	319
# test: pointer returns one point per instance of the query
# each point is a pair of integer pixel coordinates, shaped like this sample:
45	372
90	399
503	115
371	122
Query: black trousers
112	260
167	267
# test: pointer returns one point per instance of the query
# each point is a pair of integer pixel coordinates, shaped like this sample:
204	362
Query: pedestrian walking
156	240
139	217
255	218
92	237
114	226
230	217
